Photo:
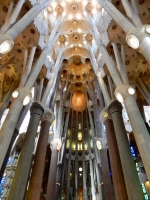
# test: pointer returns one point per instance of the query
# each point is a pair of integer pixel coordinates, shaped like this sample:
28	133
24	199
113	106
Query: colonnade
91	161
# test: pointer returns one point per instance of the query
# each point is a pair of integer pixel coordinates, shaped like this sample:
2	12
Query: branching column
19	184
34	190
130	29
14	31
91	168
107	184
69	160
83	162
139	129
76	161
56	145
9	125
128	165
116	168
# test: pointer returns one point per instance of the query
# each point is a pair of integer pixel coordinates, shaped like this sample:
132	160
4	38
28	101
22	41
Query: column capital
122	92
36	108
115	107
48	115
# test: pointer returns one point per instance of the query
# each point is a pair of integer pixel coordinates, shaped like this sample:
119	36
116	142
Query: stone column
116	168
76	160
62	178
55	146
98	124
19	184
15	134
10	172
118	17
9	125
97	157
107	184
15	30
68	177
128	165
112	90
34	190
140	131
83	161
93	192
140	33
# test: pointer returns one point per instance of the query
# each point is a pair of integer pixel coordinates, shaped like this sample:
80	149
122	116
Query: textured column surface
8	153
128	166
8	128
117	173
20	180
107	184
34	190
24	21
50	195
140	132
118	17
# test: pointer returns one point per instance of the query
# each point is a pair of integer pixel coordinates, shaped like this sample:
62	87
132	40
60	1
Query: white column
117	16
8	127
12	17
15	30
120	64
131	14
140	34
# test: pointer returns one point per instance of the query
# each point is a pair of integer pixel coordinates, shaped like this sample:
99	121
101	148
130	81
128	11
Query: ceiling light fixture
148	29
119	97
131	90
132	41
78	16
15	94
80	169
26	99
70	17
99	145
105	114
84	3
63	4
6	46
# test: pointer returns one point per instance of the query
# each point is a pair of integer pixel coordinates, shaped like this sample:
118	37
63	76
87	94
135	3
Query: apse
79	101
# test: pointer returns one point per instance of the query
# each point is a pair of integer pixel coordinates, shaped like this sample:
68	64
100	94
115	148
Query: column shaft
25	20
50	195
128	165
34	190
107	185
117	173
20	180
118	17
140	132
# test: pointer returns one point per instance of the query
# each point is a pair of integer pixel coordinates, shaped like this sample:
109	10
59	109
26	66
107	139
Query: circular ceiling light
148	28
119	97
15	94
132	41
131	90
26	100
99	145
105	114
80	169
6	46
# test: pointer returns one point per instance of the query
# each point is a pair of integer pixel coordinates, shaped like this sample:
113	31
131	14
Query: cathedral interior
74	100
